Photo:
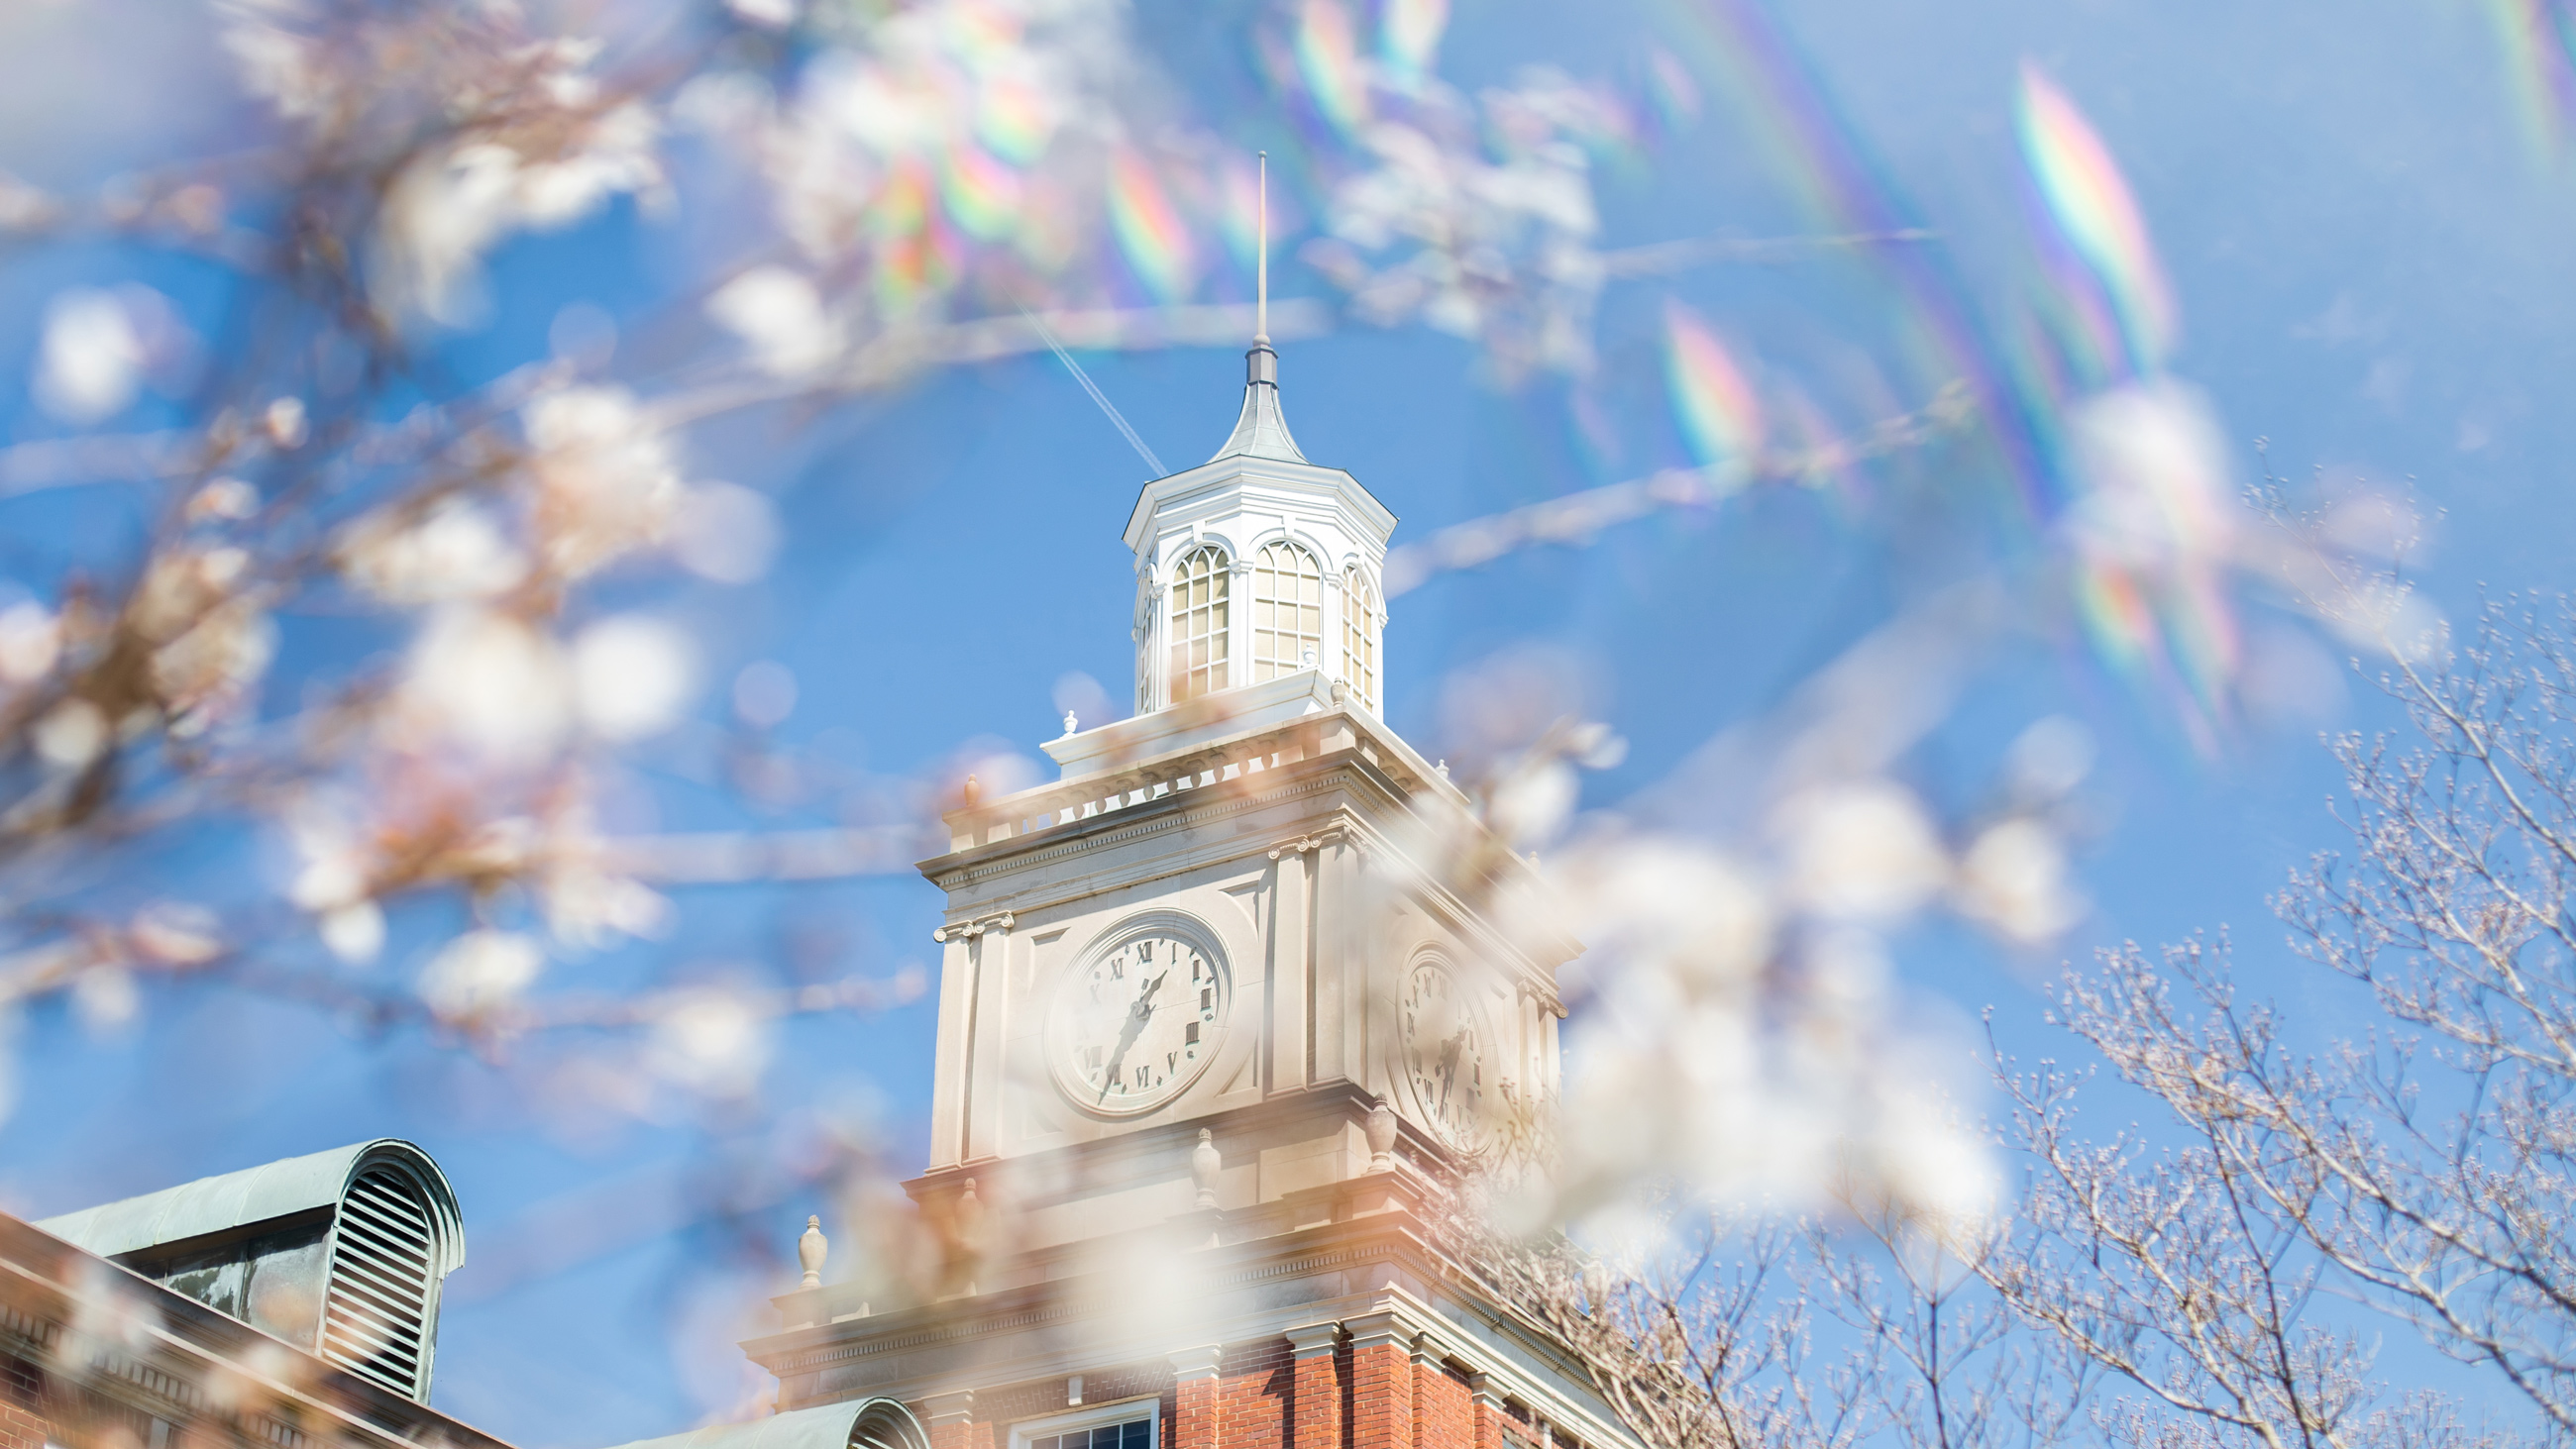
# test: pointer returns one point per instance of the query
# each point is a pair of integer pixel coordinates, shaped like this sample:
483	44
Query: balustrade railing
1106	791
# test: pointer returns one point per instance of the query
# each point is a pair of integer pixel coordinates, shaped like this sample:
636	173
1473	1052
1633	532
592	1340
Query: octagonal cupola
1257	565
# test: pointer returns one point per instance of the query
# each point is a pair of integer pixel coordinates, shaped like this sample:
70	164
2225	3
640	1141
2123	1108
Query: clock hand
1137	1015
1449	1064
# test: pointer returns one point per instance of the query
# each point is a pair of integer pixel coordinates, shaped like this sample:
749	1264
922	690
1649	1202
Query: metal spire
1261	287
1262	429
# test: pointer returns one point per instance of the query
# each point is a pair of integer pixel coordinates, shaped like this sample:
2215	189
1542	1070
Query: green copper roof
236	1199
872	1424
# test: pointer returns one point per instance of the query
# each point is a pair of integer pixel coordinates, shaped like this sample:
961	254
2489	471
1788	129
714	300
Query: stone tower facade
1217	1010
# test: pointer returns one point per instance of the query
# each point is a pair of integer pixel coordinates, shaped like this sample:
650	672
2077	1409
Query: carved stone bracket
1305	843
1546	1000
969	929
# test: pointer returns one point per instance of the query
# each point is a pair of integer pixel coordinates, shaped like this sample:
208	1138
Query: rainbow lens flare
2098	221
1408	35
1719	414
1328	58
2539	40
2153	540
982	194
1012	117
1150	230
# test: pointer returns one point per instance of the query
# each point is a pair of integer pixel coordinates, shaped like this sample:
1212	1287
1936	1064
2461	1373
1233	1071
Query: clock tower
1218	1007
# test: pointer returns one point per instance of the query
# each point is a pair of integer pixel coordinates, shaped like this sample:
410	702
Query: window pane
1136	1434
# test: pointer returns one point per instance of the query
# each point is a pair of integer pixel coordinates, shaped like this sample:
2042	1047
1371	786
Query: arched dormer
1287	609
1360	638
1198	626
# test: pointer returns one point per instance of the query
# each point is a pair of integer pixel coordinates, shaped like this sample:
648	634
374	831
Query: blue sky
2369	249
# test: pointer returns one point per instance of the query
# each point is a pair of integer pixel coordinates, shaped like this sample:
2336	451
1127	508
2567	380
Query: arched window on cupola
1359	636
1287	610
1197	622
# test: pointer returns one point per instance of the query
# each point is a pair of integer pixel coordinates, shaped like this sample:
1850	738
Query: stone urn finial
1381	1136
809	1252
1204	1163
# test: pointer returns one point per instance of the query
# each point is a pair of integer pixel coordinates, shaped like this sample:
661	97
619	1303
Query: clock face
1443	1054
1137	1020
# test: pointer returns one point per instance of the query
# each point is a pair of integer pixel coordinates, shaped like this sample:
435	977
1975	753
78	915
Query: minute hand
1137	1015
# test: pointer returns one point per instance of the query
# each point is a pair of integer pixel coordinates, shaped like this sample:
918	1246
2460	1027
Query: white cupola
1258	564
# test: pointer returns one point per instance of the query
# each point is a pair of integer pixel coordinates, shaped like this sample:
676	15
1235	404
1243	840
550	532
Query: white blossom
31	639
213	665
781	315
285	423
709	1040
1863	850
90	362
487	682
605	481
631	676
71	734
332	868
2014	877
480	972
106	997
548	153
1477	219
176	933
457	551
355	933
223	499
2154	464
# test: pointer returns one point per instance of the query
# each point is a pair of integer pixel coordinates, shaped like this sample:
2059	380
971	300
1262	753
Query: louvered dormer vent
384	1269
339	1253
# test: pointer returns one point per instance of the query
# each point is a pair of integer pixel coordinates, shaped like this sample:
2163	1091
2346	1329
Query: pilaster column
1425	1362
1315	1411
950	1419
1291	952
1442	1416
986	1081
1194	1395
1489	1411
948	1097
1381	1383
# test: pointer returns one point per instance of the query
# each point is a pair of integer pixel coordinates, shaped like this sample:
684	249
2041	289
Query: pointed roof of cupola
1261	429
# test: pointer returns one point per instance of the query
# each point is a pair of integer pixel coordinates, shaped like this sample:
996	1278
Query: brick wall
1375	1394
1443	1415
1256	1397
22	1424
